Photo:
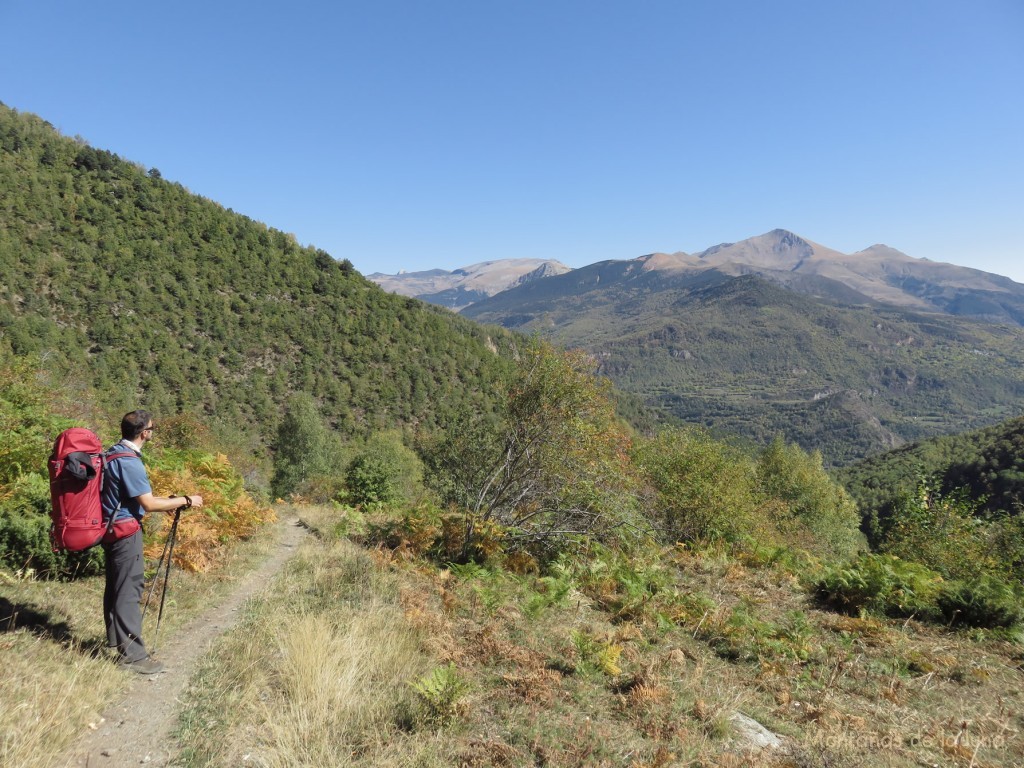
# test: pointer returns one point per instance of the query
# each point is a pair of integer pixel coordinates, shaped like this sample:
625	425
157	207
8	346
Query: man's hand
152	503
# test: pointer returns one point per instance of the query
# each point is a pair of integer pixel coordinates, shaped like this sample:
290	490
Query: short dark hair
134	424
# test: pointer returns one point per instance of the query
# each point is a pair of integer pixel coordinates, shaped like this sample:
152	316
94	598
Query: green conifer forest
159	297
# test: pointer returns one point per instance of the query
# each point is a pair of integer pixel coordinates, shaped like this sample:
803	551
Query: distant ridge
462	287
878	273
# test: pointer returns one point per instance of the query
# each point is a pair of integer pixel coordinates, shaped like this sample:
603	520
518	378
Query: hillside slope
748	356
988	463
163	298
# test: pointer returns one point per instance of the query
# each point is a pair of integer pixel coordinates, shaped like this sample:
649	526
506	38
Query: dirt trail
136	731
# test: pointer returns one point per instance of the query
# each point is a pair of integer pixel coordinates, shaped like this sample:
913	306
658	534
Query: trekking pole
172	537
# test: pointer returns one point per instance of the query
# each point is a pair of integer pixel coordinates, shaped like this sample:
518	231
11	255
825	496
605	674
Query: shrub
881	584
385	471
941	531
812	500
984	601
699	488
306	454
414	531
370	480
702	490
553	469
228	512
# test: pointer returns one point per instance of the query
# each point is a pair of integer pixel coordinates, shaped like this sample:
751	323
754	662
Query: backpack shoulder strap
117	451
107	457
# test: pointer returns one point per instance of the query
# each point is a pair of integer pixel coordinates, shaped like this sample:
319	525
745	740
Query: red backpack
76	479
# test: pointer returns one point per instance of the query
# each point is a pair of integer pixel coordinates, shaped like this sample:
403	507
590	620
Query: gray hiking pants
123	593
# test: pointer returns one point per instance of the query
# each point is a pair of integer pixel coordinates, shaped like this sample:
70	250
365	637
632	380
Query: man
128	497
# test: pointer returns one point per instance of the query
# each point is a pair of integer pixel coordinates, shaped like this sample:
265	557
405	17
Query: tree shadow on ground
14	616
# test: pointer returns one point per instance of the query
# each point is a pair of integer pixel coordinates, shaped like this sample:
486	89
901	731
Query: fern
439	694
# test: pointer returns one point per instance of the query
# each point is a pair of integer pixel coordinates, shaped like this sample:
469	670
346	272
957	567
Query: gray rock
751	735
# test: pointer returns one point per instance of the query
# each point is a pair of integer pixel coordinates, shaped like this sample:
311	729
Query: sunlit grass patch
49	693
638	659
323	671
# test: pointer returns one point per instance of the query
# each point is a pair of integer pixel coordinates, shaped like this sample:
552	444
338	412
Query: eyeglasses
150	428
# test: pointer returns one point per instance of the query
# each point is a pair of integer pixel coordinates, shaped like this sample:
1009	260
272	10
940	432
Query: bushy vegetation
702	489
552	467
942	532
983	466
306	452
182	460
943	560
885	585
812	501
698	488
384	470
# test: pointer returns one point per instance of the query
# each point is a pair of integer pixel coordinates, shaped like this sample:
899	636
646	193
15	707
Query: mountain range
776	335
876	275
128	283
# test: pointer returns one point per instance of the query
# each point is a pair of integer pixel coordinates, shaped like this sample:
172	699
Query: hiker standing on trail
128	497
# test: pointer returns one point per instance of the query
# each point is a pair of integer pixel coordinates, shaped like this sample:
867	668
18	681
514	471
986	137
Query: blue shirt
124	480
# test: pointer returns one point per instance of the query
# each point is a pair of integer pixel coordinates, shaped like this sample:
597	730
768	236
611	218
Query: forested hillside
985	466
163	298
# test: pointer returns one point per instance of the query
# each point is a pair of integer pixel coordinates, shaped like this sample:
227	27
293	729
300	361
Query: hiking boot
147	665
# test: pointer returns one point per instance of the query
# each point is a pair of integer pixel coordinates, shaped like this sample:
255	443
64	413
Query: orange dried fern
228	512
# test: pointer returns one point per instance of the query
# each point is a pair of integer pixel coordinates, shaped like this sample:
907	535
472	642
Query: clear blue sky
420	134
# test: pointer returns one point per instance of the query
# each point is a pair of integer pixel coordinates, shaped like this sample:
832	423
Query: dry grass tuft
489	645
535	686
49	694
332	686
319	675
481	753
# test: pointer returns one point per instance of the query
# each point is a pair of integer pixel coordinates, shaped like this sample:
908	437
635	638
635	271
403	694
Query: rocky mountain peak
779	249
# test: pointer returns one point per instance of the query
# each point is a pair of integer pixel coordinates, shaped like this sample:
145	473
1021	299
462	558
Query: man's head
135	423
